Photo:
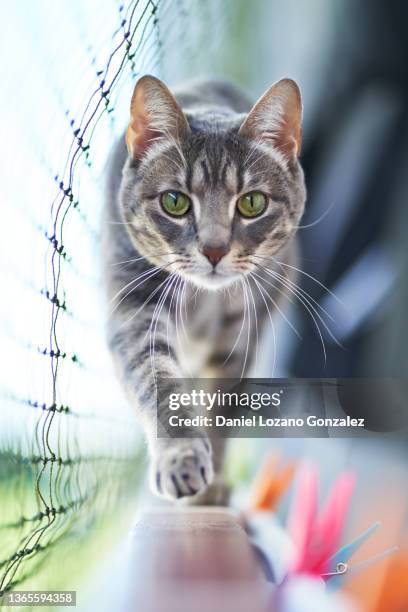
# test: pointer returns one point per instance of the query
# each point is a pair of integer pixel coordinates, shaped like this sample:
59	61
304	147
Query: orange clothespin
271	483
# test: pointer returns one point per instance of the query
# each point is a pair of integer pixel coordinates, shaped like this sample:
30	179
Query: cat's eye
175	203
251	204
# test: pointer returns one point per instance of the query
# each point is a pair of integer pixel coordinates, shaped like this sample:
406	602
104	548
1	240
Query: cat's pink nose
215	253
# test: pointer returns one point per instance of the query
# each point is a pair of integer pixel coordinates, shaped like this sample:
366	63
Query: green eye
252	204
175	203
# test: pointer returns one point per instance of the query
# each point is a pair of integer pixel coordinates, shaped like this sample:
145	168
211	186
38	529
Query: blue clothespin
339	563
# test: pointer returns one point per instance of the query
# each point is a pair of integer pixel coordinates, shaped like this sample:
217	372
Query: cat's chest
201	322
197	325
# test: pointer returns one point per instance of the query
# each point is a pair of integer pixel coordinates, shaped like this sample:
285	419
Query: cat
204	190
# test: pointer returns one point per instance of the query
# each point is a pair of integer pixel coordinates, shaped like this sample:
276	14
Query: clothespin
339	562
271	483
317	534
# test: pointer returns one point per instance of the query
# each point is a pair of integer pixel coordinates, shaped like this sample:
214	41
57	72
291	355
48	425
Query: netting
71	455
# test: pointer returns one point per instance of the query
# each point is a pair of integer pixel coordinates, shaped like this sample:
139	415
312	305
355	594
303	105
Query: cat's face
211	200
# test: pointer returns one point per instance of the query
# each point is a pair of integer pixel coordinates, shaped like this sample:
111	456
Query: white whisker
238	337
318	220
154	322
246	300
256	323
149	298
297	287
169	312
126	261
147	275
302	300
273	332
275	304
309	276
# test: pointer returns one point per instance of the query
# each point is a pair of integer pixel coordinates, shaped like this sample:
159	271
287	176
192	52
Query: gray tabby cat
205	194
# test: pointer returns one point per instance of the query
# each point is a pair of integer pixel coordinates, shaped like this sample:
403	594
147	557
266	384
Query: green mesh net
71	454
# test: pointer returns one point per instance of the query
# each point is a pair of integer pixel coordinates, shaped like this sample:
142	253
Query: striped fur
172	313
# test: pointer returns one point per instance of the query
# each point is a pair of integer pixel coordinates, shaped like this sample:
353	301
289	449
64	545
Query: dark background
350	59
358	152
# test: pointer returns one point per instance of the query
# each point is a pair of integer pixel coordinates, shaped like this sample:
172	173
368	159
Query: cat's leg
230	358
180	467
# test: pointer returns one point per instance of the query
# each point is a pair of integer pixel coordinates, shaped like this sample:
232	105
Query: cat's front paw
182	468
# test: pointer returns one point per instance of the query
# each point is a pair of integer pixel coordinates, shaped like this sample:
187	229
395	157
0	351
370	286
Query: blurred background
71	457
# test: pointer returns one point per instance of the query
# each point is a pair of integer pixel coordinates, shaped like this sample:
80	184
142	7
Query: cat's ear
277	118
154	114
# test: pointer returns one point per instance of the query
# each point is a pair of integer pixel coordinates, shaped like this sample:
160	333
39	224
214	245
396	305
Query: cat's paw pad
182	469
